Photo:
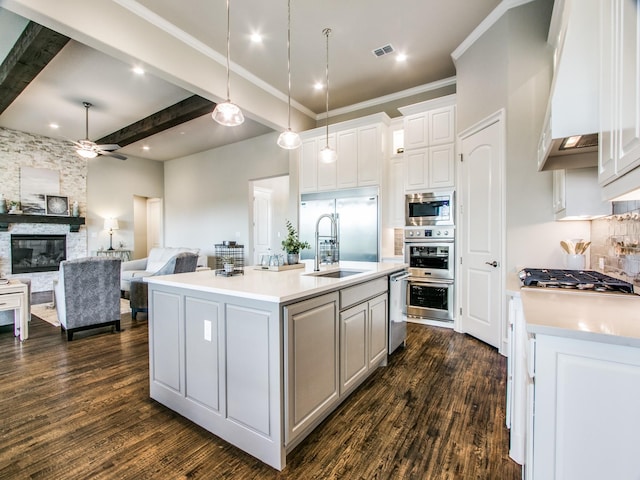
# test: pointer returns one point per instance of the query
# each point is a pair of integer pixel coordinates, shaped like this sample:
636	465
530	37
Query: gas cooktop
577	279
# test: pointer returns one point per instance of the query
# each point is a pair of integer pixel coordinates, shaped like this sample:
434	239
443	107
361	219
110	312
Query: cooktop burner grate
580	279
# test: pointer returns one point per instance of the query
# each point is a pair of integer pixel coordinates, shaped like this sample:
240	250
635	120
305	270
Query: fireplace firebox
37	253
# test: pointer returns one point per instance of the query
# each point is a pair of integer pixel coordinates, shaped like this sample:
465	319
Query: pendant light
227	113
289	139
327	154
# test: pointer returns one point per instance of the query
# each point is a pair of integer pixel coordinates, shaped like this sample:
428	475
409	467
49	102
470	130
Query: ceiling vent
382	51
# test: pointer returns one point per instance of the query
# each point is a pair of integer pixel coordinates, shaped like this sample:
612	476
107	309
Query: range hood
569	138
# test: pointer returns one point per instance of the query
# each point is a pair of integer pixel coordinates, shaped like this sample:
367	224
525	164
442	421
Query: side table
124	255
14	296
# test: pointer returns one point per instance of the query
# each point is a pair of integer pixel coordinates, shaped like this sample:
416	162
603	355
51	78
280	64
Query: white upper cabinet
359	145
619	154
429	144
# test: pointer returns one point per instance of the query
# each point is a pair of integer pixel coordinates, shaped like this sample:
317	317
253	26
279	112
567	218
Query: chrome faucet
334	237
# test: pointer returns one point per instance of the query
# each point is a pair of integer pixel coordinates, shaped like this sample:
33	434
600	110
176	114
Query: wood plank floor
81	409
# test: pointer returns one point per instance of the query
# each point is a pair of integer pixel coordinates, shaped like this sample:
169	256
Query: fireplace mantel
73	222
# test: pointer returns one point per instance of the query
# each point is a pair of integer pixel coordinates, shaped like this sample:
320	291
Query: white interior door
480	201
261	222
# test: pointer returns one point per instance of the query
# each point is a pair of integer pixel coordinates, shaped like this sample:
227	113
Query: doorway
270	197
481	214
148	225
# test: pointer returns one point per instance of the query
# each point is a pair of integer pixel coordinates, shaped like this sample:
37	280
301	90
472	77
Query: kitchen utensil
566	247
583	247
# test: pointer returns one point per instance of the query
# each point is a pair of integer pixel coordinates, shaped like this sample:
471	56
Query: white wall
112	185
207	195
510	67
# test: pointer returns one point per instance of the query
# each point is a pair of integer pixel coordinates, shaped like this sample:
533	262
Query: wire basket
229	254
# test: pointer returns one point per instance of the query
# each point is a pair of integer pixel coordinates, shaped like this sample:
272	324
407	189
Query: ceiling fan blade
111	146
112	154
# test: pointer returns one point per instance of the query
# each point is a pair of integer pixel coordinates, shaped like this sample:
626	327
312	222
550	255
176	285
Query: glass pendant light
227	113
289	139
327	154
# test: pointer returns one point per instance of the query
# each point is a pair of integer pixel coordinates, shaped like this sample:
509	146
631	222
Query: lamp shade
289	140
111	224
228	114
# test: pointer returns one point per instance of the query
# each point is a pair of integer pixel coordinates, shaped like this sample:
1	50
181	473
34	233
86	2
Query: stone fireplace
37	253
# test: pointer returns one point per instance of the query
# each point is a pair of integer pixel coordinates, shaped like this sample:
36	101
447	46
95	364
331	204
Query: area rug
47	312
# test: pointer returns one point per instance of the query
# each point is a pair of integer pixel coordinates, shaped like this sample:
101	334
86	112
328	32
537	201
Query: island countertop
279	287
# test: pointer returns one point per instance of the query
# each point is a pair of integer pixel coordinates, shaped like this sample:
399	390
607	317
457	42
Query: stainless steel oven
430	253
429	208
427	299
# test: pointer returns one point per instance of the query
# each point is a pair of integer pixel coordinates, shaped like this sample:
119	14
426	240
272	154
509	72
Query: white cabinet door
442	126
312	359
369	155
416	131
395	193
309	166
586	418
377	326
353	346
629	115
417	169
347	163
558	191
441	166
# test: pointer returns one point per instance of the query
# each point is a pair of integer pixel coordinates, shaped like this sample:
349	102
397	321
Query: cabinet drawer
10	301
358	293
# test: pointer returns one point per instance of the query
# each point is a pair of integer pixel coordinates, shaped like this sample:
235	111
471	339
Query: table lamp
111	224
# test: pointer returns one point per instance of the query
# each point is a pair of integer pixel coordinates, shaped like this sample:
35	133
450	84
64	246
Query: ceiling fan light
228	114
289	140
83	152
328	155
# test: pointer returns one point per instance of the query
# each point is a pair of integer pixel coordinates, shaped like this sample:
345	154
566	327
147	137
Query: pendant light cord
228	49
289	63
327	32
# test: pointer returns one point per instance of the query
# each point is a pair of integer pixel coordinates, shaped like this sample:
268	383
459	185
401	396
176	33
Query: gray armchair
87	294
139	291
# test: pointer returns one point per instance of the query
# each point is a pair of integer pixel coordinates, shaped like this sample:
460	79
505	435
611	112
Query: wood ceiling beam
188	109
34	49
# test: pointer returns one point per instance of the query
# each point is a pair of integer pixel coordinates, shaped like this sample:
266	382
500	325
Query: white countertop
602	317
280	287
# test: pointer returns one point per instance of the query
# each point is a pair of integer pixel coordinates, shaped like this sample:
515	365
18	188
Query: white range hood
573	107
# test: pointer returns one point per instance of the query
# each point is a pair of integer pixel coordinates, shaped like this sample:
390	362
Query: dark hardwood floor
81	409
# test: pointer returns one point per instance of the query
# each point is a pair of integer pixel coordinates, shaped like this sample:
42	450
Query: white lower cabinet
585	419
312	360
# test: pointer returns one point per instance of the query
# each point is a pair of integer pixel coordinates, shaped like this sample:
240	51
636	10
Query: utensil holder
576	262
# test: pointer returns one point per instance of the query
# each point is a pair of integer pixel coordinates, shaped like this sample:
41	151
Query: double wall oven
429	249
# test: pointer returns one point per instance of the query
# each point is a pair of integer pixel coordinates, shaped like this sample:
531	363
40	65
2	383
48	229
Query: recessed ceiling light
138	70
55	126
401	57
146	147
319	86
256	37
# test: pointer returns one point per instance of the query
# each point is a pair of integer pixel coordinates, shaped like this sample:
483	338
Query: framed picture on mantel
57	205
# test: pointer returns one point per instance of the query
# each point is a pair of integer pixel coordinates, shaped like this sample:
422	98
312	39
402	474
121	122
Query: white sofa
143	267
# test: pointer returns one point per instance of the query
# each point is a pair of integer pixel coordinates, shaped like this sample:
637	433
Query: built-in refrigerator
357	214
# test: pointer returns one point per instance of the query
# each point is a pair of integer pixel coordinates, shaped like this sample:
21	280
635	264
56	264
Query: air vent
386	50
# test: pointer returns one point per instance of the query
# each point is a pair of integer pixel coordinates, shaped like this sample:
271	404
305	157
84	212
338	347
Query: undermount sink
337	273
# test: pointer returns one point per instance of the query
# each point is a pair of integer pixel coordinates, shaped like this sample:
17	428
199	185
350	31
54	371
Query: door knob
494	264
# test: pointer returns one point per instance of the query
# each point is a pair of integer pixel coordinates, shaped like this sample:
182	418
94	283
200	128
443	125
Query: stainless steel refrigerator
357	213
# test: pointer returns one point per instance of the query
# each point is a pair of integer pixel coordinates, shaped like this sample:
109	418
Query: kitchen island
260	359
574	379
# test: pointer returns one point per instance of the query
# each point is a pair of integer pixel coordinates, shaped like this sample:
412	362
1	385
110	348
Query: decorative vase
292	258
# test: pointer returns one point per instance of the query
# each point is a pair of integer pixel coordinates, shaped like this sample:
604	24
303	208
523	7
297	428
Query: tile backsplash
615	242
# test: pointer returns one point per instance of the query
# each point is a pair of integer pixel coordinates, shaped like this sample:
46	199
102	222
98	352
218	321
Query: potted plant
292	245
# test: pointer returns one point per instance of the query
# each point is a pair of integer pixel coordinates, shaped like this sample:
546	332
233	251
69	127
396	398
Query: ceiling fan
88	149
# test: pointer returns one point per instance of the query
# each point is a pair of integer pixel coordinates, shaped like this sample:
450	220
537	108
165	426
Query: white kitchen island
575	377
260	359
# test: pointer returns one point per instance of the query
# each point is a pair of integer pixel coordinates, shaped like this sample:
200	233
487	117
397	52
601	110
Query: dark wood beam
188	109
34	49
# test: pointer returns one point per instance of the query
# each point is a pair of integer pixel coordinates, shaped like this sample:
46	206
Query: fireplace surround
37	253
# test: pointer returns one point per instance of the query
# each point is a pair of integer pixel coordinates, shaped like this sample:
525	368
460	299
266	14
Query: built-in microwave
429	208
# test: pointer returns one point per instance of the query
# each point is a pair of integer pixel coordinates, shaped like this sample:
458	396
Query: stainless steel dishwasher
397	310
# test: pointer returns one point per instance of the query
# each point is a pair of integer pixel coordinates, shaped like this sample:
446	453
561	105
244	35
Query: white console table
14	296
124	255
